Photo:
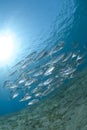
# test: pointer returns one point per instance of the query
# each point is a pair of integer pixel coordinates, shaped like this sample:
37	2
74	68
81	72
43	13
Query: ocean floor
64	110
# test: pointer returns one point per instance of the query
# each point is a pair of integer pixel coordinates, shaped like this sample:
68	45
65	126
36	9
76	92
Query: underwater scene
43	65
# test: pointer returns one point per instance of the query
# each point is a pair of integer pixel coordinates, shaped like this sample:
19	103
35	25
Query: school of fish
41	73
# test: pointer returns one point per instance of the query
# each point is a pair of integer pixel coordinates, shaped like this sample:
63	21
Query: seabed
64	110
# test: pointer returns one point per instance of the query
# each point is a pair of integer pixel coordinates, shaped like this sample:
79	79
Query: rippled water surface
50	49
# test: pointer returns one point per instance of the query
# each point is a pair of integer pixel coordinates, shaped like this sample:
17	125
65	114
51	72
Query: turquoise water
42	28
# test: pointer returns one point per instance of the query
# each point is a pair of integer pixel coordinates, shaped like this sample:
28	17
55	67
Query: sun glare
6	47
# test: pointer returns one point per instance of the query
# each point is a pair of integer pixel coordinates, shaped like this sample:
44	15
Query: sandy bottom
66	110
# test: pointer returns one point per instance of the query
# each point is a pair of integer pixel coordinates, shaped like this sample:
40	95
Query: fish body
49	70
25	98
15	95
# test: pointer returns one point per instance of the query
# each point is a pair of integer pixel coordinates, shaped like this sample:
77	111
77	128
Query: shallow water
65	110
50	50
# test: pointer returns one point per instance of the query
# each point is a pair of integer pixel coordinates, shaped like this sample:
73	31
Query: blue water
37	24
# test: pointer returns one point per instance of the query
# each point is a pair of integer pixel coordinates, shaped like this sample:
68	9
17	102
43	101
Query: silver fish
49	71
68	71
26	64
30	81
31	71
13	73
33	101
68	56
7	83
48	91
38	94
57	59
40	84
74	55
13	86
37	89
38	73
48	81
79	58
18	64
57	48
31	55
25	98
41	55
22	80
15	95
